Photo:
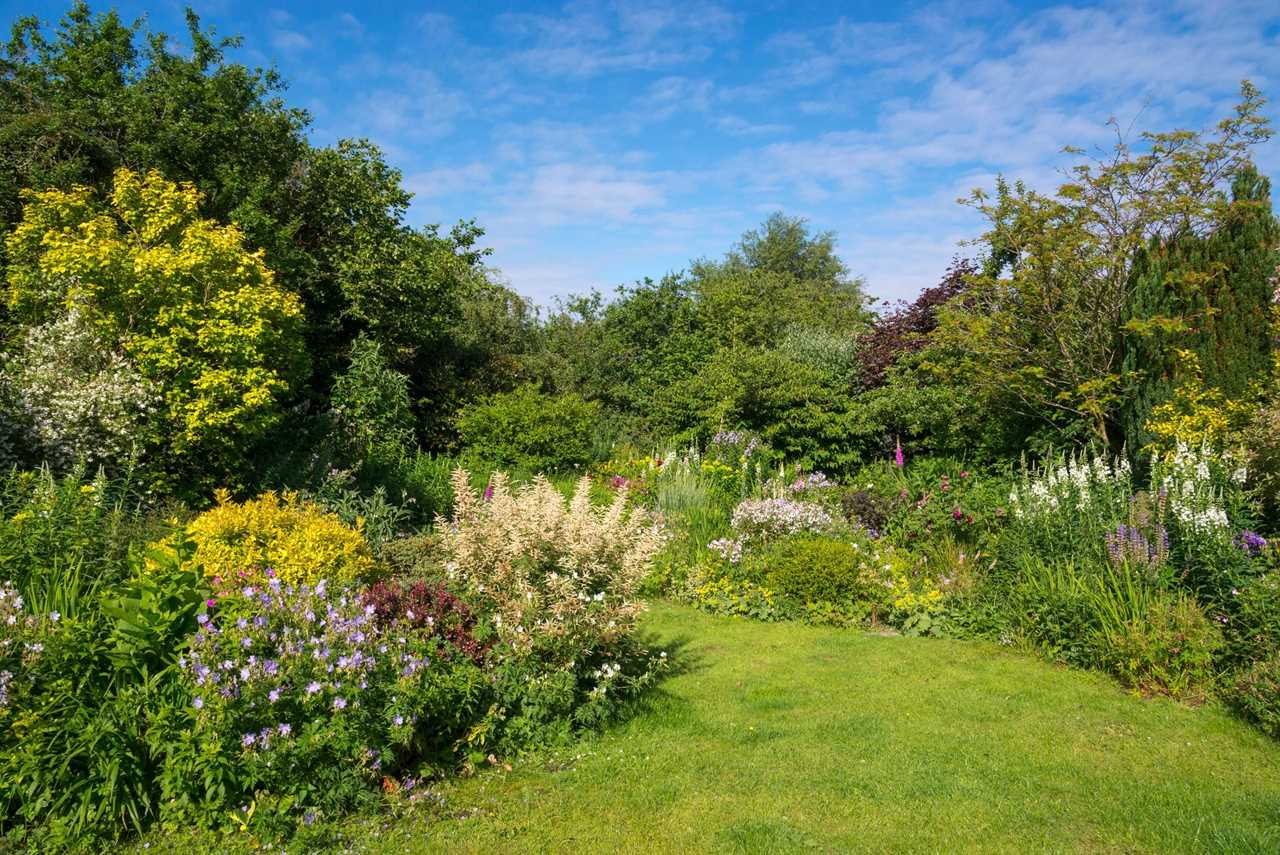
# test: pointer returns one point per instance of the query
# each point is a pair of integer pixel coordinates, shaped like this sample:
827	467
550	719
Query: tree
371	402
179	296
98	94
1046	319
777	277
905	329
797	408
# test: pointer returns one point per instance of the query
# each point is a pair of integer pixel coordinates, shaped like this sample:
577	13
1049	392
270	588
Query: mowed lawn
784	737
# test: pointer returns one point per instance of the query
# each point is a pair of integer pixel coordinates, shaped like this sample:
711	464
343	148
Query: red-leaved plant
429	607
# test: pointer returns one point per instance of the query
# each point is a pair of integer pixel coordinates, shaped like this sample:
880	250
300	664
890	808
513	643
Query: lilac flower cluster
747	442
1128	545
728	548
18	631
275	656
766	519
1250	542
811	482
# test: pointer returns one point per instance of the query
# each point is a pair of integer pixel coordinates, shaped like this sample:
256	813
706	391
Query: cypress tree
1210	295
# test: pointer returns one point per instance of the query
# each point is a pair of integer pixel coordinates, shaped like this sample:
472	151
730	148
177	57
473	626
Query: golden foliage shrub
299	541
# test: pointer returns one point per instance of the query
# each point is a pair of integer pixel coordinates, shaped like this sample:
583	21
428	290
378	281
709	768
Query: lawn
783	737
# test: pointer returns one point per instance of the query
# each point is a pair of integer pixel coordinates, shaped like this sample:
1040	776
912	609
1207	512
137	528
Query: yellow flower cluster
1195	415
300	541
914	599
722	595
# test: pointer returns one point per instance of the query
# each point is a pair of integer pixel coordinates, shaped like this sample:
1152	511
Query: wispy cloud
605	139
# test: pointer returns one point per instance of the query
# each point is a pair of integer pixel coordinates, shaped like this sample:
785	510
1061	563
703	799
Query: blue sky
600	142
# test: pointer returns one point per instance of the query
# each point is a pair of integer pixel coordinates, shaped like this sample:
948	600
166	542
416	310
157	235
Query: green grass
784	737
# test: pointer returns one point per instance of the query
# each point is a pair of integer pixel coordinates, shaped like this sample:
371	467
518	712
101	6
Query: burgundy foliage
906	327
430	607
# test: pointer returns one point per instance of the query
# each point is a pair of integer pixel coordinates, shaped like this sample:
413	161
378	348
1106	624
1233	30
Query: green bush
371	401
529	430
62	537
1255	694
95	708
1253	628
1045	605
1168	649
812	570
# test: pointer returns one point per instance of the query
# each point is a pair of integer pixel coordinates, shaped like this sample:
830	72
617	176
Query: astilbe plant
561	579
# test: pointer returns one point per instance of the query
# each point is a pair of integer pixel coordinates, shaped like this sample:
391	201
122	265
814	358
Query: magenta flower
488	492
899	458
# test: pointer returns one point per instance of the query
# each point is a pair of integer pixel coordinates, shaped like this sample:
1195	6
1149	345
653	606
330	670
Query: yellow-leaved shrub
300	541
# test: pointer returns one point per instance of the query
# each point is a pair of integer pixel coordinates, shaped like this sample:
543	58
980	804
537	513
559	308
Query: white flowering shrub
757	522
1067	508
76	398
767	519
560	579
1198	485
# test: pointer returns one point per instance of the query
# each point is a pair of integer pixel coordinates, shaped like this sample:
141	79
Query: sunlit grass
782	737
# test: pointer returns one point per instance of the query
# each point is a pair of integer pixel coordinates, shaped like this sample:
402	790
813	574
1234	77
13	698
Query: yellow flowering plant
190	308
299	541
1195	415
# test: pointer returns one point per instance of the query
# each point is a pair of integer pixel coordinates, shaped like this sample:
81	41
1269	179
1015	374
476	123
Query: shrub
302	693
560	579
1253	628
380	520
763	520
1262	438
1167	647
297	540
813	569
200	317
371	402
428	608
529	430
95	710
416	481
78	399
60	537
1195	414
866	508
1255	694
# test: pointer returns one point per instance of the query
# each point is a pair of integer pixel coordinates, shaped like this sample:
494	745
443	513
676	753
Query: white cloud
585	40
446	181
581	193
290	40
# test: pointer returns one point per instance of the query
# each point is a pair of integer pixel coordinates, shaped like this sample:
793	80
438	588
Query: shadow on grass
654	699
